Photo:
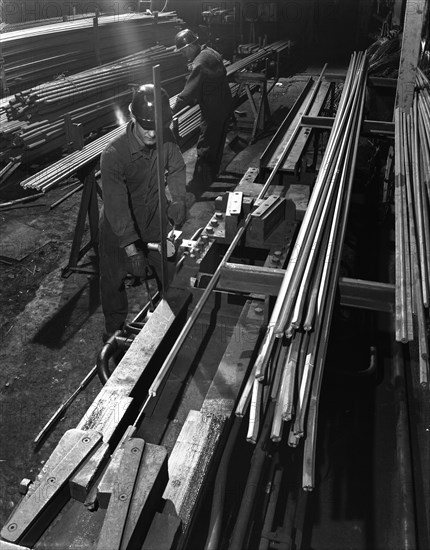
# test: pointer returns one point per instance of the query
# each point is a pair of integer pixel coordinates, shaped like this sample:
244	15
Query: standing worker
130	216
206	85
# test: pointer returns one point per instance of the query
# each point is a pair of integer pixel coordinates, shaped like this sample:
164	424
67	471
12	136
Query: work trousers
210	147
113	271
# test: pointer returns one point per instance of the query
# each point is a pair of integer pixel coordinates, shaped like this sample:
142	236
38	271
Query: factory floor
51	327
51	331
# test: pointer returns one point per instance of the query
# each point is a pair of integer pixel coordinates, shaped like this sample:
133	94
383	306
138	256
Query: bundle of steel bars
290	363
37	54
185	124
57	172
412	223
92	98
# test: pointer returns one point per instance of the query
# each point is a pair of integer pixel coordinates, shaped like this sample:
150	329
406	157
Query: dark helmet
185	38
142	106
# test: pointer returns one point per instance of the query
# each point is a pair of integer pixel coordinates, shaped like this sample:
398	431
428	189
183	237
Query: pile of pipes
38	54
185	124
67	166
261	54
285	385
94	99
412	224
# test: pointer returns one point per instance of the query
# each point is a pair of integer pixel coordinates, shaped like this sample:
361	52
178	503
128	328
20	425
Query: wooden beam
189	462
368	127
412	31
356	293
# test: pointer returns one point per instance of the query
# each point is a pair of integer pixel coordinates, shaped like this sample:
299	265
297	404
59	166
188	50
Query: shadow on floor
72	316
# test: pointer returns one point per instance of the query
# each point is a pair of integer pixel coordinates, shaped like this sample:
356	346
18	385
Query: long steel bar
400	295
160	174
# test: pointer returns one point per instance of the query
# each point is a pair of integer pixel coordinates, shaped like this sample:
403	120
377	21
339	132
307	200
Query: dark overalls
207	85
130	212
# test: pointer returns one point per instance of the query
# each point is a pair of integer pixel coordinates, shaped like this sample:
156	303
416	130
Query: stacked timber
35	55
412	228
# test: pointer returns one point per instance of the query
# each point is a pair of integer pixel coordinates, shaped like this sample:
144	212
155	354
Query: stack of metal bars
34	55
289	367
412	223
92	98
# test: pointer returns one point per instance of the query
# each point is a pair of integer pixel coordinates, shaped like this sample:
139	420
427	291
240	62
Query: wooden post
412	30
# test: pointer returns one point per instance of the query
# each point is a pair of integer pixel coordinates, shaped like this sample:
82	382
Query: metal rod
67	195
159	131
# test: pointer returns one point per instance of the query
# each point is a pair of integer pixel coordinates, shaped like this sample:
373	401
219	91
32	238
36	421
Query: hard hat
184	38
142	106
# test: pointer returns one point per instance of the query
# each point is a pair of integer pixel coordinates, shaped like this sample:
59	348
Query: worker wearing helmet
130	215
206	86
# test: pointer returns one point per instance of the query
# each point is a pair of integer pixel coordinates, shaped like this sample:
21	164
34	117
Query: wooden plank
375	127
251	278
10	546
358	293
81	482
112	416
370	295
189	462
151	481
412	31
126	375
223	392
48	493
111	535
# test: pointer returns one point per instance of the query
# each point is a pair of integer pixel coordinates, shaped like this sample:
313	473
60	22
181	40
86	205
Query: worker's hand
177	213
137	264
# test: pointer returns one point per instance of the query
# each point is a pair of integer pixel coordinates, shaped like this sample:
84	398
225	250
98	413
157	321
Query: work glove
177	213
137	265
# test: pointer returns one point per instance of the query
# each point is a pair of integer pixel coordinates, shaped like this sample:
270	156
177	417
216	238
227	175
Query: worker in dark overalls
130	216
206	86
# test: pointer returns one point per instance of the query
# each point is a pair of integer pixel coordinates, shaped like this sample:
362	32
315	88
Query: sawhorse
88	206
261	111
